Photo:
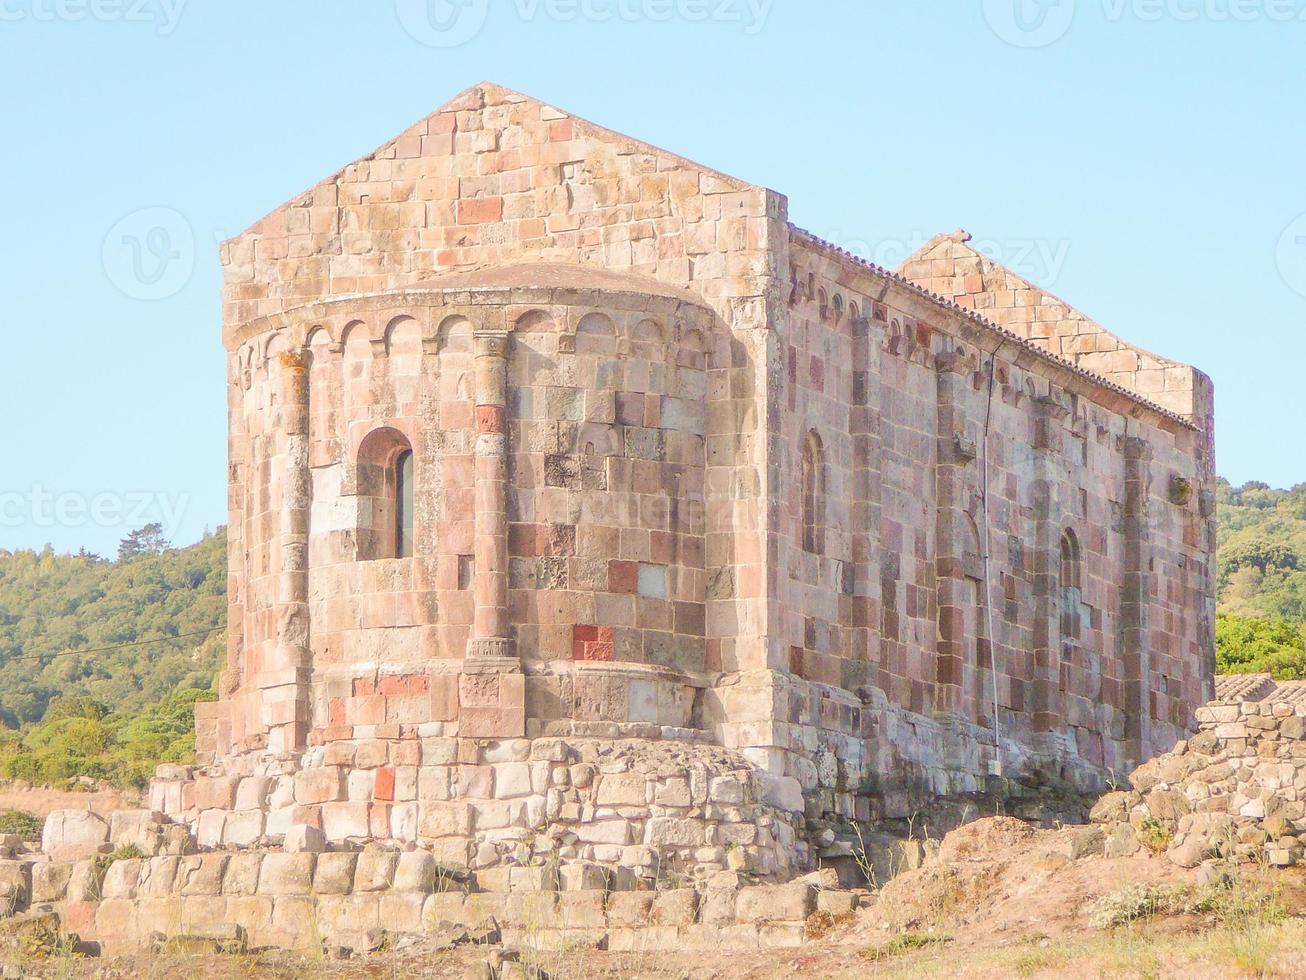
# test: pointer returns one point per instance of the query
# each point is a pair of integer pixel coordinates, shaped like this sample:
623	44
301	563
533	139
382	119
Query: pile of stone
1235	791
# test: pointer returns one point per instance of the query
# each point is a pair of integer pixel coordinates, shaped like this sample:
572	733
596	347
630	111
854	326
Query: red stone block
402	685
623	577
479	210
384	786
489	418
560	130
364	686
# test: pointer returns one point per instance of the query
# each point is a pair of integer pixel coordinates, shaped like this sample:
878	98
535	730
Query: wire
988	582
120	646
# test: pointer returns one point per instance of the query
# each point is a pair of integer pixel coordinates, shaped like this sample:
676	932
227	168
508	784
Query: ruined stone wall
1234	791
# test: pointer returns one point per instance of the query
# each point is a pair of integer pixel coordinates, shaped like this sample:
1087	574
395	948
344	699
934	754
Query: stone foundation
643	809
358	899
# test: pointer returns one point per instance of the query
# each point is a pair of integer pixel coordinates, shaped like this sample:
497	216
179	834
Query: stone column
1048	710
285	682
492	688
1134	603
954	451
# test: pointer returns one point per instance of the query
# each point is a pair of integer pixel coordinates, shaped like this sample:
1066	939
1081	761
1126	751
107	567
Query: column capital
491	343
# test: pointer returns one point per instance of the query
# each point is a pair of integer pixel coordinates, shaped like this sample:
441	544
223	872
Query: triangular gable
951	267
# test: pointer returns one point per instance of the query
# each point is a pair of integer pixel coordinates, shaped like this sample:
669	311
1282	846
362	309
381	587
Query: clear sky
1144	159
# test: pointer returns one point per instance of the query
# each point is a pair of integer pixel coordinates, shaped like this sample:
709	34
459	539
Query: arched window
1070	595
813	491
385	496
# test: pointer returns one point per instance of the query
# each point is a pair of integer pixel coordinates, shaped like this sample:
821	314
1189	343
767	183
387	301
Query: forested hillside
100	661
1261	580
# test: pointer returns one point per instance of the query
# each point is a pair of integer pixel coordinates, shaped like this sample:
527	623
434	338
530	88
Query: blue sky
1141	158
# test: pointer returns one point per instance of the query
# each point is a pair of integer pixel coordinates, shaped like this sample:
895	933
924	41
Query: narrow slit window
404	505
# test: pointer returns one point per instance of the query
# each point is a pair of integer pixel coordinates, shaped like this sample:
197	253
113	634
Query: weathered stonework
691	493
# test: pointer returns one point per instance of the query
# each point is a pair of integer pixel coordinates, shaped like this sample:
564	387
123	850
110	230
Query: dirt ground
998	899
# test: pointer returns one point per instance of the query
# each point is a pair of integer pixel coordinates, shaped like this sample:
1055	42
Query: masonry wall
884	632
491	179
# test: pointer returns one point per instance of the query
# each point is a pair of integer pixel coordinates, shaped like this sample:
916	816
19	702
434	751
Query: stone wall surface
360	897
1235	790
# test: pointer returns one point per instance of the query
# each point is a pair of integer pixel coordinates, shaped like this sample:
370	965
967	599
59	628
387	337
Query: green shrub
26	825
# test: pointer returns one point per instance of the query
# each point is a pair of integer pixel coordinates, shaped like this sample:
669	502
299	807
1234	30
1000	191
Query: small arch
838	307
854	312
355	332
538	321
648	331
403	325
595	334
385	486
823	302
454	334
812	481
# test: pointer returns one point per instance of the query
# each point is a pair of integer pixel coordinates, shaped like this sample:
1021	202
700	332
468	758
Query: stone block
302	839
401	911
375	871
202	874
141	829
252	793
241	875
334	874
623	789
675	907
415	871
122	878
242	829
343	821
630	909
50	881
322	785
159	877
582	909
674	832
511	780
793	902
71	835
287	874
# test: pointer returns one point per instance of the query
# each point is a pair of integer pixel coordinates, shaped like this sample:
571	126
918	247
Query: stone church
572	486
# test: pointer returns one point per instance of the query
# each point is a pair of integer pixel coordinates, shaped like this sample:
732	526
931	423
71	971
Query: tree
148	540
